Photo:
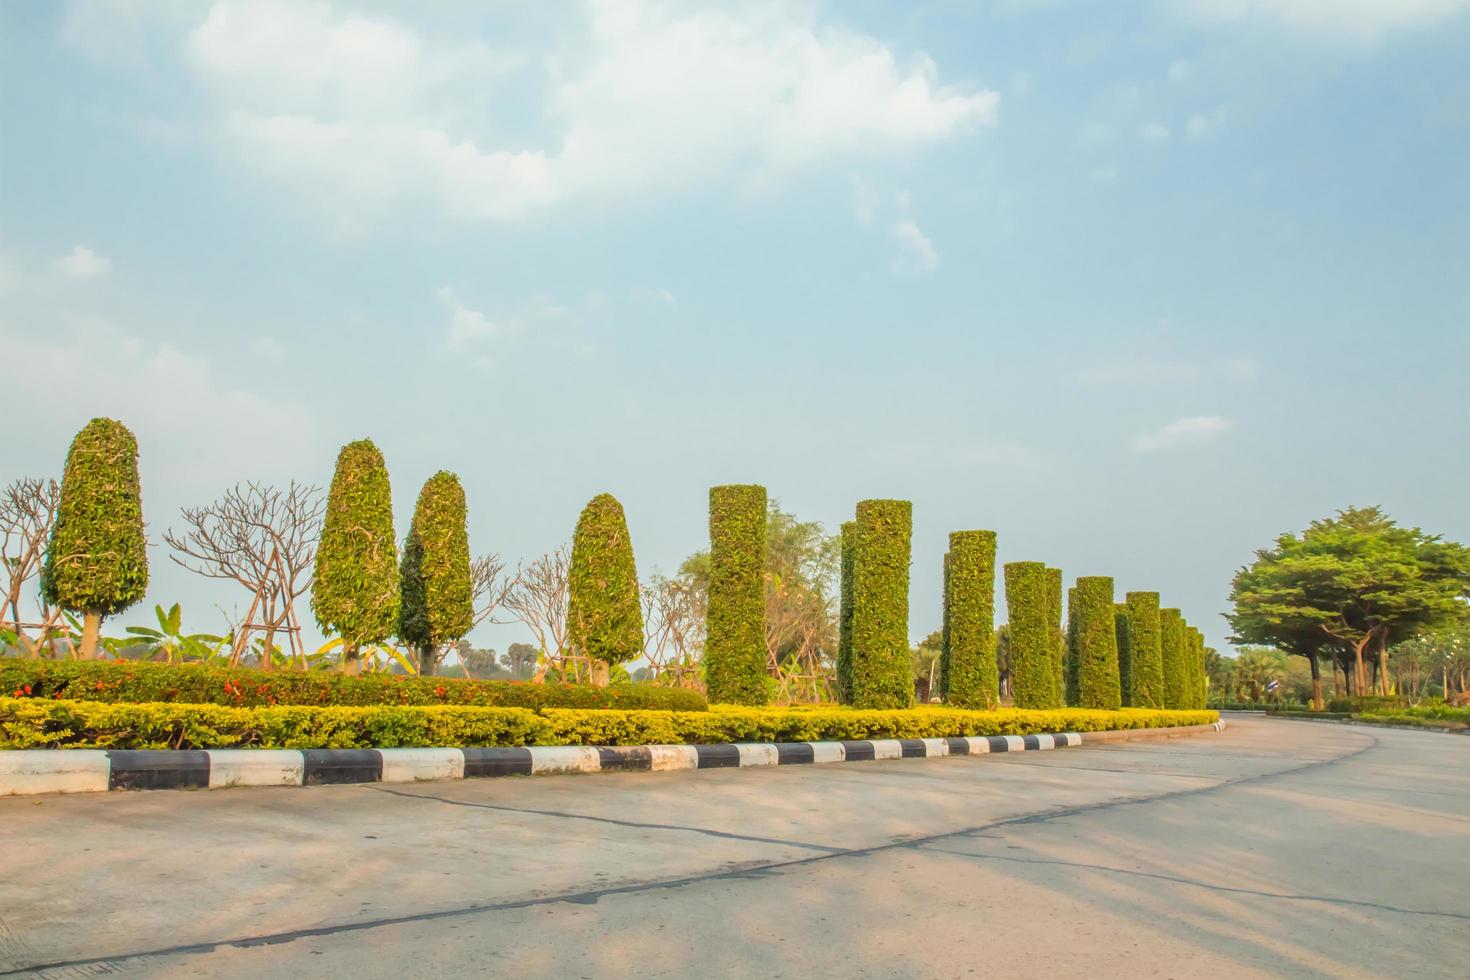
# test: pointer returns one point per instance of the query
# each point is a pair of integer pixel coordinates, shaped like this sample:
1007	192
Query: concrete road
1274	849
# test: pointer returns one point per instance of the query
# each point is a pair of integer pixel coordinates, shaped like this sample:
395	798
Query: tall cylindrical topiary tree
1069	644
882	676
97	559
1055	634
847	542
1097	644
1145	651
436	605
1199	676
1176	659
605	611
968	667
1033	669
735	644
1121	626
355	590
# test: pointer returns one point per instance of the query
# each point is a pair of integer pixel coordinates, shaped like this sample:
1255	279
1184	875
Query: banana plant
171	643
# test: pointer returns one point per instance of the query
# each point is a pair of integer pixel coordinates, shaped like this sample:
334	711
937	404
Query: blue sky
1137	285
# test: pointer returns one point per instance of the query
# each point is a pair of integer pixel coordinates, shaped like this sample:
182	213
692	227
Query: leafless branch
27	513
538	600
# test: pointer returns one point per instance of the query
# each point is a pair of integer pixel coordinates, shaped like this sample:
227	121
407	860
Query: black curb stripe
1061	741
496	762
858	751
958	746
158	769
1031	741
717	756
624	757
333	766
913	748
795	753
998	743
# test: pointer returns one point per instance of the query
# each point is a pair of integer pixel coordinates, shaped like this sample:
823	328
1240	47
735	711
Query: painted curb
28	772
1364	723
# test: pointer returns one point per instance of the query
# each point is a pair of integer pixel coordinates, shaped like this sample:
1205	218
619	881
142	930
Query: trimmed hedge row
1033	683
967	669
27	723
125	681
735	646
1097	644
880	673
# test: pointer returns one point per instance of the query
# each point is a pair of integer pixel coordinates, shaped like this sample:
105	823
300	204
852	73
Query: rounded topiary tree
1097	644
437	603
967	668
1055	635
1145	651
735	643
1032	656
847	542
605	611
355	591
97	559
881	674
1175	658
1121	627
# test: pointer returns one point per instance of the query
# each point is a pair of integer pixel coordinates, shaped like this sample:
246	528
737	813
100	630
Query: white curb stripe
935	748
413	765
886	748
28	771
1045	742
1016	742
828	752
979	744
255	767
758	754
564	758
665	758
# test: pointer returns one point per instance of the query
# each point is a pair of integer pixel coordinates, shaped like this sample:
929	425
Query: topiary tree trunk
881	675
1125	653
968	668
1097	644
848	541
1176	665
605	611
735	644
437	604
97	559
1146	687
1031	647
355	592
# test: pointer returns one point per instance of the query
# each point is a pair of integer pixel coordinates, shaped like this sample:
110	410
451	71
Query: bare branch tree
674	622
538	600
262	537
27	512
490	585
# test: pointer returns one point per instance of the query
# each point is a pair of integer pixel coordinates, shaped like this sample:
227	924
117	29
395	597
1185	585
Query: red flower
440	691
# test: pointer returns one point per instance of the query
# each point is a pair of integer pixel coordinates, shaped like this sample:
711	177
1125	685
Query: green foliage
605	613
1121	628
1146	652
1175	657
131	681
1097	644
355	591
437	604
844	615
1056	637
880	668
1032	656
97	561
735	645
967	667
171	643
1199	677
32	723
1069	647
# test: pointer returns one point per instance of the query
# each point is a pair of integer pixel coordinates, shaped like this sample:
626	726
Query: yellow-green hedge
27	723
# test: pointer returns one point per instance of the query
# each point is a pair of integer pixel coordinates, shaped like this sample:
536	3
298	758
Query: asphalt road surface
1276	848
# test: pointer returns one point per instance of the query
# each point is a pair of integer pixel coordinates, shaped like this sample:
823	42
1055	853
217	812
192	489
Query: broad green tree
436	606
97	562
605	612
735	645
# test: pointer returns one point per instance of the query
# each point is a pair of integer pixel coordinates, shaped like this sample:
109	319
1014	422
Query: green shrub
735	644
97	559
1055	636
1146	653
1175	657
1033	680
881	675
32	723
1121	627
1097	644
1200	687
437	602
132	681
847	541
1069	645
1370	702
605	611
967	668
355	591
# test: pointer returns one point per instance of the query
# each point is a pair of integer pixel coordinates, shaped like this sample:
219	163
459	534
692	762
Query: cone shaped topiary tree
437	604
1176	659
1056	636
1097	644
967	668
848	542
735	644
1121	627
881	674
1032	652
97	560
1145	651
605	611
355	590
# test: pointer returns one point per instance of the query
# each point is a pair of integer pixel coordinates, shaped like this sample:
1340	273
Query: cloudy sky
1137	285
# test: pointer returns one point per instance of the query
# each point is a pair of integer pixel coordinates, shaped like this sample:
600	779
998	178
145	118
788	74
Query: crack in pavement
756	871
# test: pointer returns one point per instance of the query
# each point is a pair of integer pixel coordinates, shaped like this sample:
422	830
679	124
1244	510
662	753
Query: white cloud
83	263
358	110
916	252
467	327
1153	132
1181	433
1201	125
1363	19
269	348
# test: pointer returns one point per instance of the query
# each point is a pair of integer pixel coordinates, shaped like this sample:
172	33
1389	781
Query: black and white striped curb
27	772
